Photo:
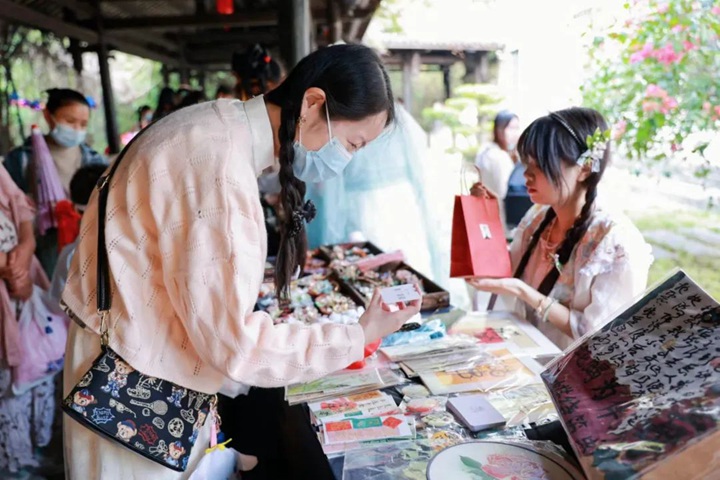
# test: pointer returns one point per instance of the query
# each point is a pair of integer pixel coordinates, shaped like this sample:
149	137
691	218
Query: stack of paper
411	351
498	369
434	362
346	382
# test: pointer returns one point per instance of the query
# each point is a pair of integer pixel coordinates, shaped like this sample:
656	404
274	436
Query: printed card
400	294
367	428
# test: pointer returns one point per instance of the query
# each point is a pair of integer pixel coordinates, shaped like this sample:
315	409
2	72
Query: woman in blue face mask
67	113
325	111
186	243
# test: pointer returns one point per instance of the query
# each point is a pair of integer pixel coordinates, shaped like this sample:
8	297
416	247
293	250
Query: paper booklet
369	404
368	428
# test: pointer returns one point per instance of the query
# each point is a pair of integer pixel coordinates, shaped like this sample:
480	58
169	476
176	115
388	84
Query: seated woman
575	263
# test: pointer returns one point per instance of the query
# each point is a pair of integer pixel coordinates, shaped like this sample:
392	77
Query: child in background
81	187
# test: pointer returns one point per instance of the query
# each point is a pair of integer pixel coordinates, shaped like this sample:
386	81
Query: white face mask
320	165
66	136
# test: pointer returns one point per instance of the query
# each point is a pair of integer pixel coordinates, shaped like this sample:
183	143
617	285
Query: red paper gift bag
479	248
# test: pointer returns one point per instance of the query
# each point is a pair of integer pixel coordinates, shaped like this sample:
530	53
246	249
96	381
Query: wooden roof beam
257	19
239	19
27	16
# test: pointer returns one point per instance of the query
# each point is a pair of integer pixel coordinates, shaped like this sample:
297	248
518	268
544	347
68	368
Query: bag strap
104	296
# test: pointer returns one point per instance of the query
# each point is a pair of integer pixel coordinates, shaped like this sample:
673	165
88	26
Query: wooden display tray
325	251
435	296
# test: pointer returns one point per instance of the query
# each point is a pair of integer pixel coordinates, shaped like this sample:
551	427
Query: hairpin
596	146
305	214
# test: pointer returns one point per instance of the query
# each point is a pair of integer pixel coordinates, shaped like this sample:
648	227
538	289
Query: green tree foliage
468	115
655	76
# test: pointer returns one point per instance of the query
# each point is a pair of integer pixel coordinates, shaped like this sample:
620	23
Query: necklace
549	249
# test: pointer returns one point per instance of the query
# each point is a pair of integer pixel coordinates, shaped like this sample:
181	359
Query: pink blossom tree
656	75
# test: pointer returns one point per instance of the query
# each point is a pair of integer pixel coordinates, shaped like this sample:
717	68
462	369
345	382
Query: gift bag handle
464	189
104	296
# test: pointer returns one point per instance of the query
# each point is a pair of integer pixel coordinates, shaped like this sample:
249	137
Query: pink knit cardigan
187	244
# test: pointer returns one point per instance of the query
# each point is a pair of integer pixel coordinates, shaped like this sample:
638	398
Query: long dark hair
551	141
502	120
62	97
356	86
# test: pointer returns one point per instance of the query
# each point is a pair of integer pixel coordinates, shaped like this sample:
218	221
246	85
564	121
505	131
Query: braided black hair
550	141
356	86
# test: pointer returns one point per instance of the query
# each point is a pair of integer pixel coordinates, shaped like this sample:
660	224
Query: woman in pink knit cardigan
186	243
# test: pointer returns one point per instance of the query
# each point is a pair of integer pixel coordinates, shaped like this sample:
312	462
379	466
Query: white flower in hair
597	145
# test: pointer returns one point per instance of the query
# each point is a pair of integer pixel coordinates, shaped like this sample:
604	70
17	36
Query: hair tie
305	214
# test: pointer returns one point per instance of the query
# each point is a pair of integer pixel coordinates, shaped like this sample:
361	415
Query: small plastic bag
219	461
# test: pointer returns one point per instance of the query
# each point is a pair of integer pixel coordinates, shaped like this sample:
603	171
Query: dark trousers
261	423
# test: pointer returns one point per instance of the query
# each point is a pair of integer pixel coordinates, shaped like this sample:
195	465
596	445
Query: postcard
367	428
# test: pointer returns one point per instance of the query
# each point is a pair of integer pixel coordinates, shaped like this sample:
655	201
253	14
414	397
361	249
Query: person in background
224	91
192	98
256	72
26	419
166	103
145	117
81	187
496	160
67	114
575	262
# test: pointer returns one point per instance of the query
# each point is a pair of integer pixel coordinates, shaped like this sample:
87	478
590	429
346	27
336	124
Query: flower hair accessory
596	146
306	214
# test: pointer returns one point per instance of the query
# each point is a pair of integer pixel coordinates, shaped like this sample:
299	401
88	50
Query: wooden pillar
165	71
334	20
294	21
111	125
301	29
76	53
482	70
411	66
184	76
446	80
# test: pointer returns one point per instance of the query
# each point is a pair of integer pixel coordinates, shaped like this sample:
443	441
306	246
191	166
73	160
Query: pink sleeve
213	267
16	198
